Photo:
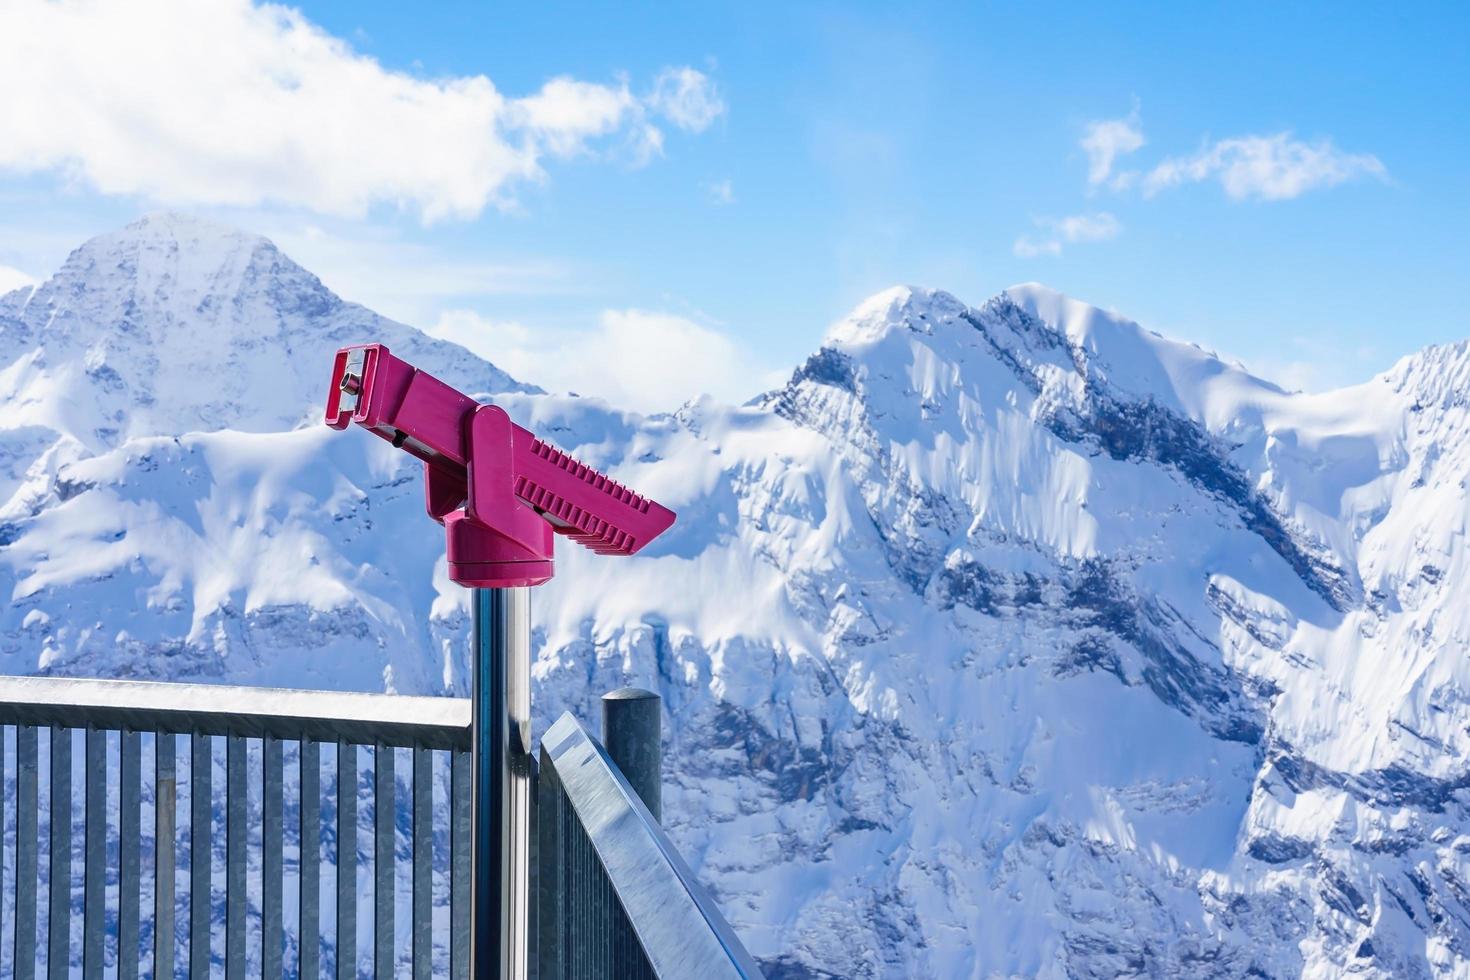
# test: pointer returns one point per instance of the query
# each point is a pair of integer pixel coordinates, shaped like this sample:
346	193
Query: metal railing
129	917
612	897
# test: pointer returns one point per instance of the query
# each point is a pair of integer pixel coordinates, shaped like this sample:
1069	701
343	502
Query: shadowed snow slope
1002	640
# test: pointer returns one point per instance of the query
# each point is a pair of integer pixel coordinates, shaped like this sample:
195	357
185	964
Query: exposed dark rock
1391	786
795	772
828	367
1275	849
1339	893
790	968
1127	428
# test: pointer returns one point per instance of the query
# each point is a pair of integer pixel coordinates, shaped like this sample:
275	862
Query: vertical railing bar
3	800
533	887
235	898
201	844
346	861
460	795
165	819
129	832
94	850
384	809
58	925
271	871
308	930
23	960
423	863
551	953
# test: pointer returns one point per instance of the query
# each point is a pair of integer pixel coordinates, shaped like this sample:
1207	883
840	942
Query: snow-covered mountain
1009	640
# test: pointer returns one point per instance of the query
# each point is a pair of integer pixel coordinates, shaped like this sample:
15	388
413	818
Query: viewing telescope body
500	492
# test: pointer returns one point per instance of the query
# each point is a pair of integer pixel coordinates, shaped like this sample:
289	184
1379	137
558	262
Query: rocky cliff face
1002	640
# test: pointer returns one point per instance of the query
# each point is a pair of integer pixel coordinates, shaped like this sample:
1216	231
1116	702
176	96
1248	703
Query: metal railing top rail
681	931
249	712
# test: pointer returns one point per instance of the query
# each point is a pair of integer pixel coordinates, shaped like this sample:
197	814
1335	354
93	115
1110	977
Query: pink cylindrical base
500	574
483	558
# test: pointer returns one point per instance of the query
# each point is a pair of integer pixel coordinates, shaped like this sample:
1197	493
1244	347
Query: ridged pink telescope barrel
500	492
502	495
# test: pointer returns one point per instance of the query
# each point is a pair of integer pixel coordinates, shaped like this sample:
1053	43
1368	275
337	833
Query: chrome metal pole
500	849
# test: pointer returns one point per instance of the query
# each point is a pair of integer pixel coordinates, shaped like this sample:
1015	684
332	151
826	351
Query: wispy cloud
13	279
225	102
1266	168
1058	232
722	192
1105	140
687	98
1307	363
662	359
409	281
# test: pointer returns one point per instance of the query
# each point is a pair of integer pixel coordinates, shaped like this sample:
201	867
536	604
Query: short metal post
500	849
633	736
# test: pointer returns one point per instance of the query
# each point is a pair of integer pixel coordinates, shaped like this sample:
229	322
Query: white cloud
687	98
228	103
1095	227
722	192
1027	247
634	359
1267	168
566	113
1306	363
1105	140
407	281
13	279
1099	226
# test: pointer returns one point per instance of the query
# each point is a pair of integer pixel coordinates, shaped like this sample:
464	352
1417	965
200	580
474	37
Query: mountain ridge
990	645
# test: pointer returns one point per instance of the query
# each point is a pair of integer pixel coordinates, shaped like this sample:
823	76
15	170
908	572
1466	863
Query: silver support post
500	893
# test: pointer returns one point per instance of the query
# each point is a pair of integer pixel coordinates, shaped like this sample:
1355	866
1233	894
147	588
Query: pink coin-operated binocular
502	495
500	492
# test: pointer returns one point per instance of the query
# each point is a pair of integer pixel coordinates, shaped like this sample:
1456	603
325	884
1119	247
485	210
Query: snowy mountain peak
176	323
895	308
1072	318
1063	350
203	236
178	270
1435	376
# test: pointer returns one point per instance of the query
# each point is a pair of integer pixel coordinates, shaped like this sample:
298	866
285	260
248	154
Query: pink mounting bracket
500	492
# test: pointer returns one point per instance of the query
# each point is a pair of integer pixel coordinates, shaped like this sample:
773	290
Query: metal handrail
245	712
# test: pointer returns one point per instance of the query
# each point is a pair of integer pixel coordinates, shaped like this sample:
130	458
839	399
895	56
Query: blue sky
1287	186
